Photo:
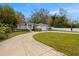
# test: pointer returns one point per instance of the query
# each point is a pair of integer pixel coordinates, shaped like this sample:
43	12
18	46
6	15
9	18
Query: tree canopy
8	16
39	16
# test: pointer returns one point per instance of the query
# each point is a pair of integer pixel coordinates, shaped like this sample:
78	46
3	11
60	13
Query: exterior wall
22	26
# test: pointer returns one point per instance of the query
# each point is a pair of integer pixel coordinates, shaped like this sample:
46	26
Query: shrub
22	30
38	30
49	29
4	28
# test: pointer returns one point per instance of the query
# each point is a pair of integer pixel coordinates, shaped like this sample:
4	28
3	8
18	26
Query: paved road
25	45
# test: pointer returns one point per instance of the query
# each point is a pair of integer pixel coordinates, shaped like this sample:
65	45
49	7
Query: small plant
4	31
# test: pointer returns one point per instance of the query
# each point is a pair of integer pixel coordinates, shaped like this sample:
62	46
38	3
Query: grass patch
16	33
63	42
2	36
13	34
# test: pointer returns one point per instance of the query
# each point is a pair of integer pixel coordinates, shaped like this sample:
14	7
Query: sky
27	8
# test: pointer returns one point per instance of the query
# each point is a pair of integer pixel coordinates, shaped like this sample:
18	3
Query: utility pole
72	22
71	26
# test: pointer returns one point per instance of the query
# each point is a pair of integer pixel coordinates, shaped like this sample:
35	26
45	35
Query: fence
65	29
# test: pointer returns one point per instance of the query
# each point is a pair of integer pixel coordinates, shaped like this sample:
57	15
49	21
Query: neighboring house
31	26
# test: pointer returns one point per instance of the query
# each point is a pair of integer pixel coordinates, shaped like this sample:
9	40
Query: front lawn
2	36
16	33
5	37
63	42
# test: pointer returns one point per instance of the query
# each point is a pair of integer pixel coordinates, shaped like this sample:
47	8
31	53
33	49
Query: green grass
63	42
13	34
2	36
16	33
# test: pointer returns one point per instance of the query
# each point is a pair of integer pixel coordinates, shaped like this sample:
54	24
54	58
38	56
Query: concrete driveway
25	45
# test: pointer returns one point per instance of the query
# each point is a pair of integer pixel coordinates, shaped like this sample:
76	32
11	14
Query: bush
3	36
4	28
38	30
22	30
59	25
49	29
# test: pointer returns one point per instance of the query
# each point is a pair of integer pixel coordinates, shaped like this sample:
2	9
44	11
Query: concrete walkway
25	45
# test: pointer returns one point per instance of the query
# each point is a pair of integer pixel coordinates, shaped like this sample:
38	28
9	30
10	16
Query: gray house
30	26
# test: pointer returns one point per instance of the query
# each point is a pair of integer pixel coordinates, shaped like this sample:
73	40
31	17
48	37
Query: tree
20	18
60	20
63	12
49	21
39	16
54	19
8	16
